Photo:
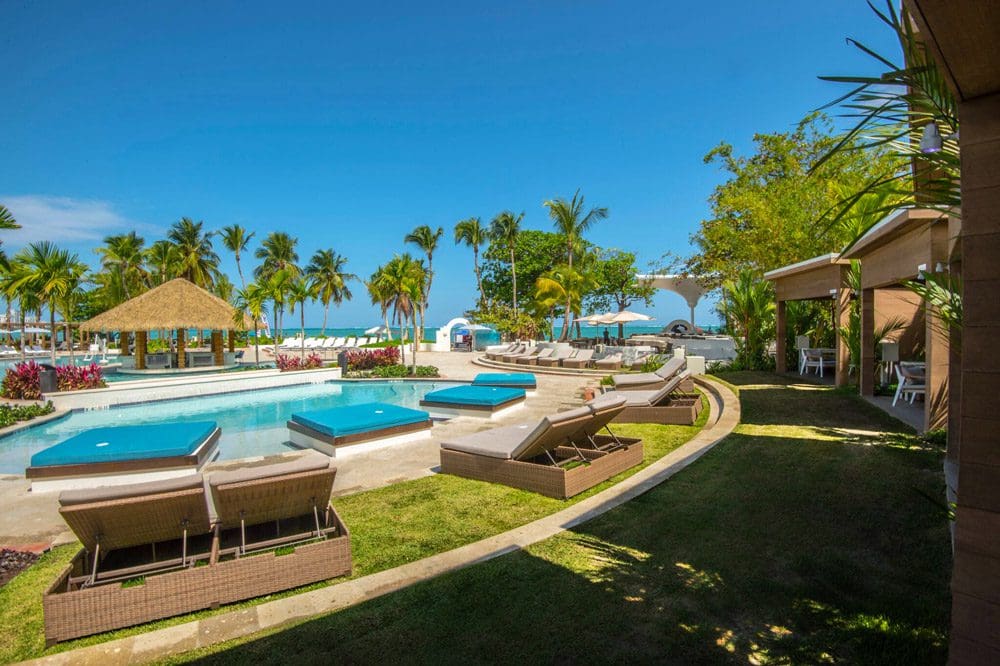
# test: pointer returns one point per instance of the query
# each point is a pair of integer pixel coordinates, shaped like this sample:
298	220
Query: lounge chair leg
97	556
184	548
316	517
243	535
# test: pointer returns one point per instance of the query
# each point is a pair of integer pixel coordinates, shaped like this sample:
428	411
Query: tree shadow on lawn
763	550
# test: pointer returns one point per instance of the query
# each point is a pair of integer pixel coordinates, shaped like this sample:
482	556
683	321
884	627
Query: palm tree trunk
52	331
479	276
413	361
302	321
256	344
513	277
326	314
239	270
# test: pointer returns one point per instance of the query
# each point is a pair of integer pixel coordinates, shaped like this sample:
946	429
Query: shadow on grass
766	549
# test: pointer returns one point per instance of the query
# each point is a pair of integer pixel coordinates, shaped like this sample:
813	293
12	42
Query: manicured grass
389	526
801	538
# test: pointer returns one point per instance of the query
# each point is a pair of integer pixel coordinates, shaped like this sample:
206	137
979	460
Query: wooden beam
181	360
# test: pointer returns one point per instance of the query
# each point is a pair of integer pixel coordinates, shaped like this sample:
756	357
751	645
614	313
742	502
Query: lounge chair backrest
552	431
563	352
272	492
671	367
663	394
584	355
546	353
135	514
518	349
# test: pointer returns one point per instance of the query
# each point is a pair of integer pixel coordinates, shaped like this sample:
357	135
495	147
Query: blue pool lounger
479	401
118	455
521	380
355	428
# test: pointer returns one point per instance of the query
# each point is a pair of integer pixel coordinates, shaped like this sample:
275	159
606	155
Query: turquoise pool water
252	422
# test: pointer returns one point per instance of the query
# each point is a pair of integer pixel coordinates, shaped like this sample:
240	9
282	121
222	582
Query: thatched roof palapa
175	304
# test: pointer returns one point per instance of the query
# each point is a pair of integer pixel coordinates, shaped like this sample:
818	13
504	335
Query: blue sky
347	126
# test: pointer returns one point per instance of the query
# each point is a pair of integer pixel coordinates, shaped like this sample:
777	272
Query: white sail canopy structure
689	288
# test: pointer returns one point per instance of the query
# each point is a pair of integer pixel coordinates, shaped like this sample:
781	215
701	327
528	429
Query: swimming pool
252	422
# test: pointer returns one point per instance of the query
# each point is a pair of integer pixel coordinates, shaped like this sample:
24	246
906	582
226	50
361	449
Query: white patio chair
910	384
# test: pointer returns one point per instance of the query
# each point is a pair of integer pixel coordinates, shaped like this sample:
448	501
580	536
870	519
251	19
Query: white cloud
61	220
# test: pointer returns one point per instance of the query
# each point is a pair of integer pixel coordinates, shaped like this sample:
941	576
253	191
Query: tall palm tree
7	221
277	287
70	300
427	241
472	233
277	253
402	280
250	301
48	273
561	285
380	296
196	260
570	221
504	230
300	291
327	275
162	259
236	239
123	257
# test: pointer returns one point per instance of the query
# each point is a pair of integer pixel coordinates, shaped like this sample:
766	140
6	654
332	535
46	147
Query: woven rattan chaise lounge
669	404
533	359
580	360
560	456
495	353
159	549
560	355
652	380
612	362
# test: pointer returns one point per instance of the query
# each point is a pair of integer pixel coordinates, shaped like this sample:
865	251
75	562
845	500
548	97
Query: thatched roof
175	304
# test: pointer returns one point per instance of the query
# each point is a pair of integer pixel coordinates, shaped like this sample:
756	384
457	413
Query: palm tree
236	239
570	221
300	291
196	260
380	296
70	299
562	285
277	253
277	287
328	277
427	241
162	258
250	301
7	221
402	280
748	306
48	273
471	232
123	257
504	230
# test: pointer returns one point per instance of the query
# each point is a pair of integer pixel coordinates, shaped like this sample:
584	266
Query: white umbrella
376	330
625	317
34	329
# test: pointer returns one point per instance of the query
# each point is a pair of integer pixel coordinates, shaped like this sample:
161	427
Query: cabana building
177	305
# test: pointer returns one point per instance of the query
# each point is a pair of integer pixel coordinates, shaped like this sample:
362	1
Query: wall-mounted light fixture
931	141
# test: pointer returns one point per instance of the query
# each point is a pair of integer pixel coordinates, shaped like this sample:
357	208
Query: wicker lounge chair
580	360
528	354
650	380
668	405
552	458
494	353
156	533
612	362
556	359
532	359
507	357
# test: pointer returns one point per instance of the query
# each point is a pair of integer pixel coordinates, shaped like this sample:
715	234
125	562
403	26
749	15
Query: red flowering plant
369	359
287	363
74	378
23	382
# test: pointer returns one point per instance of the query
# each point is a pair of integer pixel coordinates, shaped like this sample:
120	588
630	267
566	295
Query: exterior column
140	350
936	343
780	366
217	349
123	338
842	315
866	370
181	360
231	335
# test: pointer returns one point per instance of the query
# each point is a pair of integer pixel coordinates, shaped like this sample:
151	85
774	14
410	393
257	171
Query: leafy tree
571	222
505	230
251	301
401	282
617	288
329	278
122	256
566	286
748	306
236	239
472	233
196	260
535	251
427	241
300	291
277	254
764	215
163	259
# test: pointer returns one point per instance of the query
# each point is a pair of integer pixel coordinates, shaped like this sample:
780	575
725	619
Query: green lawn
802	538
389	526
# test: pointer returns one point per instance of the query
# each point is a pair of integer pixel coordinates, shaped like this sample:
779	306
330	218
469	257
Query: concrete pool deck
32	518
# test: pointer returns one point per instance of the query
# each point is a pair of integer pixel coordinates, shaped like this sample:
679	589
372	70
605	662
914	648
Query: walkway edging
161	643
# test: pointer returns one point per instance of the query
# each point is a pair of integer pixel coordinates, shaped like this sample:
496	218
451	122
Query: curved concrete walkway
158	644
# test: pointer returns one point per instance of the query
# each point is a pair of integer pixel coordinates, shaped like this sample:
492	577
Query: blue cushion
474	395
135	442
504	379
352	419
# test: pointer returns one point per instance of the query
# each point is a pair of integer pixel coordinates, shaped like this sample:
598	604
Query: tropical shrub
398	370
387	371
426	371
369	359
11	414
289	363
22	382
73	378
748	307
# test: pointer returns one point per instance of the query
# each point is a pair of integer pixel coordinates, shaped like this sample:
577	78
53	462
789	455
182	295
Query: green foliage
11	414
764	215
536	253
398	371
942	293
748	306
852	331
520	326
607	381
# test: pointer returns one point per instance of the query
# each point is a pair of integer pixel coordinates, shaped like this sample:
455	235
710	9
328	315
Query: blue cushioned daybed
356	428
124	454
521	380
473	400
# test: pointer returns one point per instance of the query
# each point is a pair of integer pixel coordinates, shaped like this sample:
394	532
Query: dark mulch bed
13	562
